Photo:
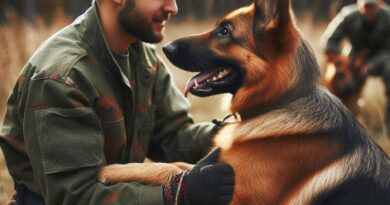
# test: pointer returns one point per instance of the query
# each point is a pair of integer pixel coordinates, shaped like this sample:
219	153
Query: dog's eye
225	30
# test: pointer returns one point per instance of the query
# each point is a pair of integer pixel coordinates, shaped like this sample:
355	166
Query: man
367	27
94	94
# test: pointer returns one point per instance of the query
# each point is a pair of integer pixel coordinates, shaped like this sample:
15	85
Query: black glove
208	183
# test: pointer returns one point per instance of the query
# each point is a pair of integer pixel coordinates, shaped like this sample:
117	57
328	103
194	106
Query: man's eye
225	31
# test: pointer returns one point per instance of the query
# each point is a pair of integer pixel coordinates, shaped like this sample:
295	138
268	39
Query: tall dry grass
19	40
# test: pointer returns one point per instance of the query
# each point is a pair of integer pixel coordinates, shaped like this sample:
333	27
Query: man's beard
135	23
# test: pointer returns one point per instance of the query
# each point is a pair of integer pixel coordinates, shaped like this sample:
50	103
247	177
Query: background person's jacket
348	24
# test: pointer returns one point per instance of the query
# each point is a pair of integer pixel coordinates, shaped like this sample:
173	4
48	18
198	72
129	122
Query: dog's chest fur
283	156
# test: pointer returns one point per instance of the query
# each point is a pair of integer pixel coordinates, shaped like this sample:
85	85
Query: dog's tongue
199	79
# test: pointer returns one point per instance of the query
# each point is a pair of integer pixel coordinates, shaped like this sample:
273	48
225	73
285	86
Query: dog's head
254	52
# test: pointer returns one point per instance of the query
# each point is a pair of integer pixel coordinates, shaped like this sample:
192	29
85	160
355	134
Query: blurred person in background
366	26
96	93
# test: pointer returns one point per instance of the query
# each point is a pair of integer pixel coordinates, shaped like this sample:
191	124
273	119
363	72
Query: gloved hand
208	183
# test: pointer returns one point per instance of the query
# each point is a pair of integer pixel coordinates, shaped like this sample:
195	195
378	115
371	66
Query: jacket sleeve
12	143
176	137
335	33
382	58
65	141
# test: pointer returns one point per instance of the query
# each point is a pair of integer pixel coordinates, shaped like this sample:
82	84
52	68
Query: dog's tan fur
271	145
147	173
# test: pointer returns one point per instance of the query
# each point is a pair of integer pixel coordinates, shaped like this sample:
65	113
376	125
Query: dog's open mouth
211	82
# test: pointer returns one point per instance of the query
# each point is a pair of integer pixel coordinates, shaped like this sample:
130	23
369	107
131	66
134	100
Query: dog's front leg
147	173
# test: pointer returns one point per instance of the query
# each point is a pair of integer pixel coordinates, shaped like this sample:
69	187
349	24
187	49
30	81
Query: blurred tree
47	8
2	12
201	9
321	10
16	5
76	7
300	7
29	9
198	7
217	7
345	3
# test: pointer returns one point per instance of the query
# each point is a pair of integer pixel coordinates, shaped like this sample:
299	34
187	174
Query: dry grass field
19	40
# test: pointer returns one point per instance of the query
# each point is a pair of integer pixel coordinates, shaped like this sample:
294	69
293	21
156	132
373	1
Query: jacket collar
89	25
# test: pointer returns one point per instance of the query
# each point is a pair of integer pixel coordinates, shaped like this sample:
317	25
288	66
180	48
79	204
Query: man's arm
175	136
65	145
334	34
379	60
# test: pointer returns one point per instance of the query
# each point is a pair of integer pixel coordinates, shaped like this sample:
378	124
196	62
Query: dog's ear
272	13
272	23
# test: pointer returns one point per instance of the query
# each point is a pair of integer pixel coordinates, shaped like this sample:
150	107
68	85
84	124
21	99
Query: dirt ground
20	40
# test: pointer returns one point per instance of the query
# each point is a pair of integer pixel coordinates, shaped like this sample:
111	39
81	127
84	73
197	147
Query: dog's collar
227	119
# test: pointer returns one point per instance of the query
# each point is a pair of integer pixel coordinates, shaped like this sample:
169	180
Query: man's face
146	19
370	11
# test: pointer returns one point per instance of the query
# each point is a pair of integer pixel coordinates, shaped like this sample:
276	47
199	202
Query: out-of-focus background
25	24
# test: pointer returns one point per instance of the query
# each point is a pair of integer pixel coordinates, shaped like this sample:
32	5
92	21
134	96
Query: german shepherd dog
345	79
296	142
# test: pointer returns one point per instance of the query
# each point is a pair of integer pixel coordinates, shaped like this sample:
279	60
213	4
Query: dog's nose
169	48
174	49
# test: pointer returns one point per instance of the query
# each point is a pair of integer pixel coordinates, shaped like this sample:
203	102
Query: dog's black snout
174	49
180	53
169	48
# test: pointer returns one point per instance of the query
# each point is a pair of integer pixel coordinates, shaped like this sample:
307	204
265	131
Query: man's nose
171	7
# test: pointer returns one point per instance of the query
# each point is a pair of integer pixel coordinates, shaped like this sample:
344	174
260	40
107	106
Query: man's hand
366	69
208	183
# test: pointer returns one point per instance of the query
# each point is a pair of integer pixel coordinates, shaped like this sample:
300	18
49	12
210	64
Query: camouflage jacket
73	110
348	24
